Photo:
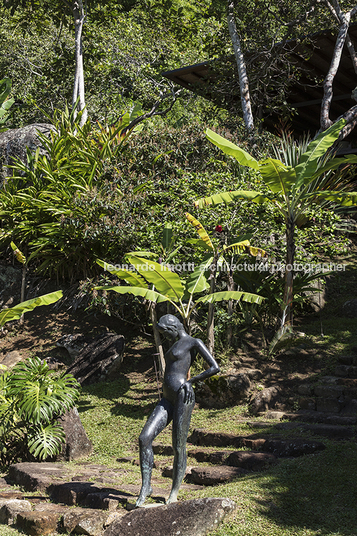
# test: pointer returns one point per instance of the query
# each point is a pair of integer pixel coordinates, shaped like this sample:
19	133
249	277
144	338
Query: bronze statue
176	405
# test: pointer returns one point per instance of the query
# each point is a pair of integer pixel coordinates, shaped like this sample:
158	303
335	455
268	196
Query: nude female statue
176	405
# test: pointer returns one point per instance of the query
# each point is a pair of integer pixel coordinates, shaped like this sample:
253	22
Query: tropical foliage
303	180
31	400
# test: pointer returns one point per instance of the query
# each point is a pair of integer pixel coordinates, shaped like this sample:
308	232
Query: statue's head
170	326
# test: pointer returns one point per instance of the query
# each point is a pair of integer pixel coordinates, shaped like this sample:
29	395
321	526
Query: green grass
313	495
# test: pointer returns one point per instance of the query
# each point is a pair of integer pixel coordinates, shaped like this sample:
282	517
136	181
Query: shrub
31	399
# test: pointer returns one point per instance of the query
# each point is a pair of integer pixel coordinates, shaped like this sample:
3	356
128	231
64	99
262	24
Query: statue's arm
212	363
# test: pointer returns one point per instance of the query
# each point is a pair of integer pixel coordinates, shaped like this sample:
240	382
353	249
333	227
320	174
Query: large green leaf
148	294
244	158
197	282
166	282
335	163
45	441
308	161
14	313
244	247
229	197
345	199
230	295
130	277
200	229
277	176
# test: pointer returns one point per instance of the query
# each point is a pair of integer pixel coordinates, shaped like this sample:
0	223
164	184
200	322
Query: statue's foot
171	499
143	494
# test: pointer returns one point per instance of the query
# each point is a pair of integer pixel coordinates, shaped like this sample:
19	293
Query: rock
187	518
35	476
224	390
14	142
203	438
349	309
265	400
77	442
11	359
10	508
84	521
73	343
307	404
43	520
329	430
252	461
305	389
98	359
212	476
292	447
330	405
72	493
350	408
330	391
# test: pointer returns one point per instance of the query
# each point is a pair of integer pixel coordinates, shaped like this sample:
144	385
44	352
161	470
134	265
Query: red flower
219	228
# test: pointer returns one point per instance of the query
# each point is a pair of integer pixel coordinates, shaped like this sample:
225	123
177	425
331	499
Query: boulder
265	400
98	359
84	521
77	443
11	359
224	390
41	521
10	508
14	142
190	518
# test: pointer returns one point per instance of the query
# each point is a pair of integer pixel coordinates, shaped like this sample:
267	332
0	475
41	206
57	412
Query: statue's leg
158	420
180	425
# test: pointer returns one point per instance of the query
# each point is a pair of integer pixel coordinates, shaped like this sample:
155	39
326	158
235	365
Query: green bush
31	400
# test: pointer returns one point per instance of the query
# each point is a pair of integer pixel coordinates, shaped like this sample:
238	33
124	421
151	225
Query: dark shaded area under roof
312	58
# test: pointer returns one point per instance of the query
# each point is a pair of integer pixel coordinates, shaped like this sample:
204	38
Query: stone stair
335	394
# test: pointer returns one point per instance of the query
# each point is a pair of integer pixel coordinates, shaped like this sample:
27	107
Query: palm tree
307	176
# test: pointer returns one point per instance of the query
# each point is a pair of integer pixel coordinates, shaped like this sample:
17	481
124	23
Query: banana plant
157	283
308	175
15	313
217	258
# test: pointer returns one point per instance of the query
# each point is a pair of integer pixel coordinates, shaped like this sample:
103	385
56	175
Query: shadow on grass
316	492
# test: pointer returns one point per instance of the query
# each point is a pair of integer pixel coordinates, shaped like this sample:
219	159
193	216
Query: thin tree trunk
289	273
325	120
157	338
230	310
210	321
78	87
242	71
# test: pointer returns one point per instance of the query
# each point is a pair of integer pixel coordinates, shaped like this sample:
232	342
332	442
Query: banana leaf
130	277
146	293
244	158
230	295
166	282
200	229
14	313
228	197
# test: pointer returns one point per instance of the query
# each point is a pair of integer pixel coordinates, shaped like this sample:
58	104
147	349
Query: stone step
213	476
278	447
331	431
313	417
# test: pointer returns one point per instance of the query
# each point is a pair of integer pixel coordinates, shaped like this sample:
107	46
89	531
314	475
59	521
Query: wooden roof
312	58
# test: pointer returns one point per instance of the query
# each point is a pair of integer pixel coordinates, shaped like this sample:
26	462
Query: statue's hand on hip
189	394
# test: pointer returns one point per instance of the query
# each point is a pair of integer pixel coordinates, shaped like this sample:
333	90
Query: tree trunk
230	287
289	273
78	87
210	321
242	71
157	338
